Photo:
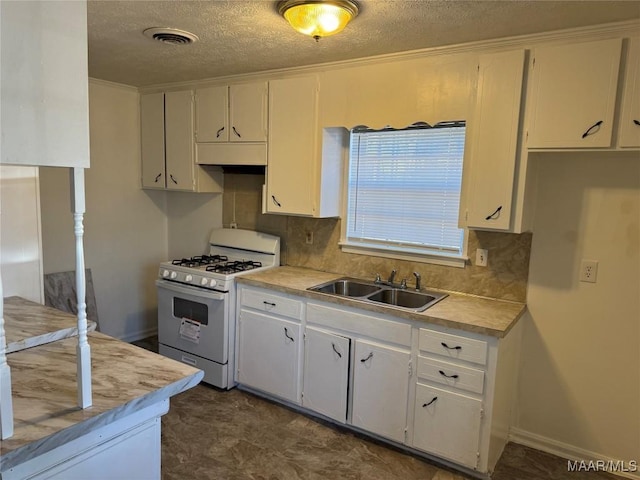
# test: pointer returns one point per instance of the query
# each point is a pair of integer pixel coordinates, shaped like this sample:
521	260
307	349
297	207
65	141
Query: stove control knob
204	281
188	278
212	283
165	273
174	275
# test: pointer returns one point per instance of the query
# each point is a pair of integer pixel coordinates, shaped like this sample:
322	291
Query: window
404	192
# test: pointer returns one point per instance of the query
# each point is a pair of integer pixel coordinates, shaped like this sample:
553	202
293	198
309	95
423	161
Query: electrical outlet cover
588	271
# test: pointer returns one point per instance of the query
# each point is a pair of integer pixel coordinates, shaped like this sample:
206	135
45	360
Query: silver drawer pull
448	376
427	404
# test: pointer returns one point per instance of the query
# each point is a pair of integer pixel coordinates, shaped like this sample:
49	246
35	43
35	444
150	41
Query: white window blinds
404	189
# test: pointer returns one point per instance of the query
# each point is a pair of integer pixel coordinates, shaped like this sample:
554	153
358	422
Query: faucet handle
378	279
403	284
418	277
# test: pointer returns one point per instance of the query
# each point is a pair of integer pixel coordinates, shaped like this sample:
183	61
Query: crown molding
593	32
107	83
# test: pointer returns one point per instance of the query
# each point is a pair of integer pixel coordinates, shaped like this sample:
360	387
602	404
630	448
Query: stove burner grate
234	267
200	260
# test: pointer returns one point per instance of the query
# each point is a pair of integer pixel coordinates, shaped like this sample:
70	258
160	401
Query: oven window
198	312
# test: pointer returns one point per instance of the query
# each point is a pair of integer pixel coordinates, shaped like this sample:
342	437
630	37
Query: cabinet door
152	140
268	354
326	373
380	389
178	124
630	117
574	94
494	147
291	164
212	114
447	424
248	112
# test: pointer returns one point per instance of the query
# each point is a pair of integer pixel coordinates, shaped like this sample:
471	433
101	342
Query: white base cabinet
435	391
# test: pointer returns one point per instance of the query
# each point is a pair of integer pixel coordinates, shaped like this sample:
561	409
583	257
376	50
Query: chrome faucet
418	277
392	276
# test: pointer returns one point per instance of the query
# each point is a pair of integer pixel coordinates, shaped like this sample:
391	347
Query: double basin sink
376	293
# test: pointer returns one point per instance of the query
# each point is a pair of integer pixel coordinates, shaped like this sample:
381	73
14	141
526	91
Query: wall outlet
482	257
309	238
588	271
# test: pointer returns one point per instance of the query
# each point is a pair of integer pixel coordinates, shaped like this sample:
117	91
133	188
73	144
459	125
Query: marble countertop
125	379
461	311
29	324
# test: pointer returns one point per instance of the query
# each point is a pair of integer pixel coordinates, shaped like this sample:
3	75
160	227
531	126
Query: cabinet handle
333	345
269	303
592	129
495	214
368	357
236	132
174	180
457	347
637	122
448	376
157	177
286	334
275	201
219	132
427	404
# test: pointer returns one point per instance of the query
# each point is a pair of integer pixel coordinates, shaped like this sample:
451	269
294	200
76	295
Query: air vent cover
171	35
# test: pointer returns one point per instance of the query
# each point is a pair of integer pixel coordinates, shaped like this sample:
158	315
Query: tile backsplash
504	277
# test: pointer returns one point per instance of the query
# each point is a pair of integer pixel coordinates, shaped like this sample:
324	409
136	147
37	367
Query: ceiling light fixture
318	18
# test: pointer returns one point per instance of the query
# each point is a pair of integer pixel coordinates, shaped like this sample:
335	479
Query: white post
6	405
83	350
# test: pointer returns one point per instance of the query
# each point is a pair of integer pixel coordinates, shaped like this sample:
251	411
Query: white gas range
197	297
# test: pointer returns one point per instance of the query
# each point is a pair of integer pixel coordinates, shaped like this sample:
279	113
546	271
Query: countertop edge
48	337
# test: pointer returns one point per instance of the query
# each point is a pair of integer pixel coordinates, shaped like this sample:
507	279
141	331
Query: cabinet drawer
272	303
453	346
451	374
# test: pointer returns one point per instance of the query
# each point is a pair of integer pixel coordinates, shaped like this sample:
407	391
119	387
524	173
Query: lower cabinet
326	373
447	424
268	356
380	389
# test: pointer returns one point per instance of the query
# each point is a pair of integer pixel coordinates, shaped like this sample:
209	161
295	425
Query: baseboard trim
570	452
139	335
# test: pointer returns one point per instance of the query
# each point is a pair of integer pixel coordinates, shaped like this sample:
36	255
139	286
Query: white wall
580	375
191	217
125	227
20	252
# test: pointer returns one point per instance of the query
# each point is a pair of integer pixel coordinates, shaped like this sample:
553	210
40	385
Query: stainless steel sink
346	287
375	293
405	298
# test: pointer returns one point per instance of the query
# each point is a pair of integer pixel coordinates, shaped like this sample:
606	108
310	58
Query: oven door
194	320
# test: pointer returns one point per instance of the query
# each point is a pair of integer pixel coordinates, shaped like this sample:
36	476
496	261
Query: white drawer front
272	303
453	346
451	374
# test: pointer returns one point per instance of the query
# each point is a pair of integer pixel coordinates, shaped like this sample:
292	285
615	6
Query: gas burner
233	267
199	260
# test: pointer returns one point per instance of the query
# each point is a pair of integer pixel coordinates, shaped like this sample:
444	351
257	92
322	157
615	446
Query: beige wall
125	227
505	277
20	250
580	373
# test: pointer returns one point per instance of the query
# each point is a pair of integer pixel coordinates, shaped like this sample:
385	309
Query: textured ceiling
241	36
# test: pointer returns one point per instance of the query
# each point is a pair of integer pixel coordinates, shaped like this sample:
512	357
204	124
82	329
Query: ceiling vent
171	35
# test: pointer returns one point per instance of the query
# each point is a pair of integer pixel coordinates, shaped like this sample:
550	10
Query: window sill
412	256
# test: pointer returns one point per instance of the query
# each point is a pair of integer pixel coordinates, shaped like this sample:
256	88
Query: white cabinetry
231	124
573	95
269	345
493	151
380	389
304	161
326	373
166	131
629	128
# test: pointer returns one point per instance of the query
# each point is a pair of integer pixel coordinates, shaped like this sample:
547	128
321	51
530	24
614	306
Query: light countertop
461	311
125	379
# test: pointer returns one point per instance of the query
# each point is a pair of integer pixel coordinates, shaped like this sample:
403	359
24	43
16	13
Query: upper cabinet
493	147
44	84
629	128
166	131
231	124
573	95
304	171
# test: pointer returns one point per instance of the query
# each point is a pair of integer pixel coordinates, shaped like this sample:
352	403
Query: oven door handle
194	291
